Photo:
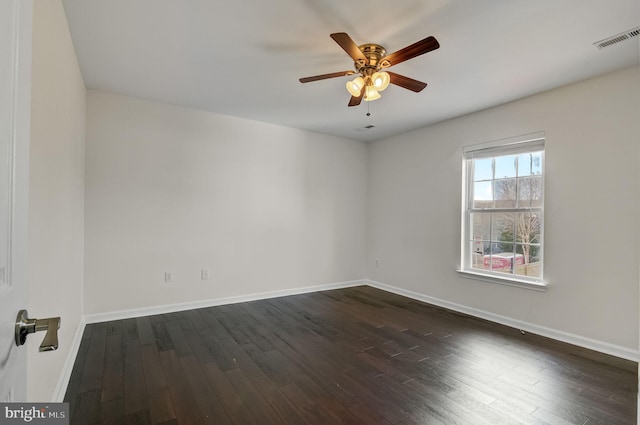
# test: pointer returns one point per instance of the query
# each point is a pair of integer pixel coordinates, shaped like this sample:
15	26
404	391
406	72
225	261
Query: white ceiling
244	57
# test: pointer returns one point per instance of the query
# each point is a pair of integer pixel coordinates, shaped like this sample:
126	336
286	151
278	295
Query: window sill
525	284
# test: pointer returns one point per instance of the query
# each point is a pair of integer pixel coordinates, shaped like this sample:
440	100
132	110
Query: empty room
319	212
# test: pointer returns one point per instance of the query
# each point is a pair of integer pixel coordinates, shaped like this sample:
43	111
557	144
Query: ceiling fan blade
356	100
406	82
349	46
416	49
325	76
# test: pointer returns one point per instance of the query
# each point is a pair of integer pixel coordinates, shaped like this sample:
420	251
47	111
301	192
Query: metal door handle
26	326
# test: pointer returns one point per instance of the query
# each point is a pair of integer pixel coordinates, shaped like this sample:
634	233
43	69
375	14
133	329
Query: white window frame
515	145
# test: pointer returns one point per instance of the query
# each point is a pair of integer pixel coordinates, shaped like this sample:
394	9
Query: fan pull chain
368	105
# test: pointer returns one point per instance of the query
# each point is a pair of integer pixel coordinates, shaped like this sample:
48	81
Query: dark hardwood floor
349	356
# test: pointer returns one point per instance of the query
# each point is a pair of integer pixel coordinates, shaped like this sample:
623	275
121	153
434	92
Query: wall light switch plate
168	277
204	274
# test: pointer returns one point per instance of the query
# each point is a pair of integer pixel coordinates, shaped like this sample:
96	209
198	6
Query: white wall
591	209
265	207
170	189
56	198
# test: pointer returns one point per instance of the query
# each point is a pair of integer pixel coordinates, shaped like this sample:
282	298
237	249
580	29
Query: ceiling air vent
365	128
634	32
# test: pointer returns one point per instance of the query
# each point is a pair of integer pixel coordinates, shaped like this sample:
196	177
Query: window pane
483	169
505	166
530	267
500	261
502	229
530	192
483	195
530	164
505	194
480	227
477	256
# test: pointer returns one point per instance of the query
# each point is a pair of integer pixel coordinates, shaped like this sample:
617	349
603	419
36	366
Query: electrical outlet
168	277
204	274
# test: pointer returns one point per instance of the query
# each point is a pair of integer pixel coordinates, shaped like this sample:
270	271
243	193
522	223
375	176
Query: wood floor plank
224	359
113	375
338	412
178	340
313	376
241	358
88	408
138	418
211	326
112	411
307	408
160	406
114	327
368	416
160	333
93	371
210	407
135	394
232	325
254	401
153	374
183	400
276	366
276	400
129	329
145	331
353	356
232	401
198	346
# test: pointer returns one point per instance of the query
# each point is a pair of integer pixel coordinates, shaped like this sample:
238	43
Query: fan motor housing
373	53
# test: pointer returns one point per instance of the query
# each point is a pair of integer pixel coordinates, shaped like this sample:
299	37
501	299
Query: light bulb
355	87
371	94
380	80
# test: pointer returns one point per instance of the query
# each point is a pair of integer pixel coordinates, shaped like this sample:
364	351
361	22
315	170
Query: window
503	220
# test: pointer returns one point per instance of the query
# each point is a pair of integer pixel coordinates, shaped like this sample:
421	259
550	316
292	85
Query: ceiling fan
370	60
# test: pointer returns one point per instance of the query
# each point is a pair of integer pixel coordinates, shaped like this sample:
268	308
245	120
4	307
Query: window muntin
503	220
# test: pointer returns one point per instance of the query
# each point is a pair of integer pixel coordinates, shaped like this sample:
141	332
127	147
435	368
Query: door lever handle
26	326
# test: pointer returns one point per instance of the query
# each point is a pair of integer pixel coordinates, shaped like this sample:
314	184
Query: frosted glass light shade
355	86
380	80
371	94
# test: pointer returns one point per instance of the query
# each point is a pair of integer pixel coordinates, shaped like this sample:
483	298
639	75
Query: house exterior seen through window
504	203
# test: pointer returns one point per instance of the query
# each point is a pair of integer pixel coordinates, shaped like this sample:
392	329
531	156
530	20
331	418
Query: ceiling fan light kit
370	60
371	85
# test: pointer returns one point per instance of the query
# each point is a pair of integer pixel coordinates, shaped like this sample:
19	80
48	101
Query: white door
15	105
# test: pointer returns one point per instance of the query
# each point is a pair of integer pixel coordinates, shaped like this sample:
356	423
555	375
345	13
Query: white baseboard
67	368
592	344
171	308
